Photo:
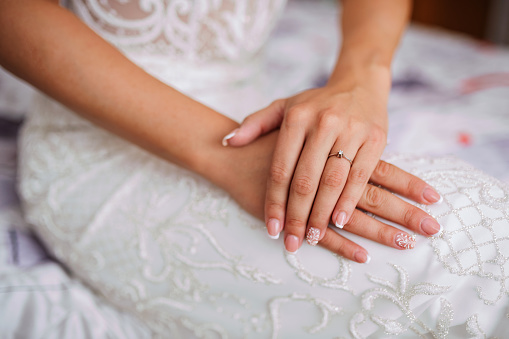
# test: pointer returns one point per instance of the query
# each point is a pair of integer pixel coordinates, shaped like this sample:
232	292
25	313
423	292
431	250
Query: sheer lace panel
195	30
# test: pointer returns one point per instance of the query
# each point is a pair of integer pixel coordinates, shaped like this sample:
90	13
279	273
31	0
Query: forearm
371	31
50	48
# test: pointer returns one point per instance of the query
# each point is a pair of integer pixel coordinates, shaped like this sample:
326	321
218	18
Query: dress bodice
194	30
192	45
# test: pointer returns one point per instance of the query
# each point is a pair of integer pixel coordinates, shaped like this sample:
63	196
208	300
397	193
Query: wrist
366	70
369	77
240	171
210	159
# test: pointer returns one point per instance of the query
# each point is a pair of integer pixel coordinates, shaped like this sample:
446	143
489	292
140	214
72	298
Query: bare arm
52	49
371	31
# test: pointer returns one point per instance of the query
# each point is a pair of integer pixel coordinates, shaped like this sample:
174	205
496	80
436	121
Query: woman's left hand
308	184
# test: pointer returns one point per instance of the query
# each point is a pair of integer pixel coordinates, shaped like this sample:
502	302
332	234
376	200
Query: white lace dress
167	246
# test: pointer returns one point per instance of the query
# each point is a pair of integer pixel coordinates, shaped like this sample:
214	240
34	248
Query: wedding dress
164	244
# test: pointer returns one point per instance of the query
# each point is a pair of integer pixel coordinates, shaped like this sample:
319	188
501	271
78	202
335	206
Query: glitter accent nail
405	241
313	236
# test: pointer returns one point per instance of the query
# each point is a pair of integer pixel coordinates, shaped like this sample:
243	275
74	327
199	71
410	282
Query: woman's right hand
248	170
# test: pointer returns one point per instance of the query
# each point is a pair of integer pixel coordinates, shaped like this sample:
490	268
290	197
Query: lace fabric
192	45
196	31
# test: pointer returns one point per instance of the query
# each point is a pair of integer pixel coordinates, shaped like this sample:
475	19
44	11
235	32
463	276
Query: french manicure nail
313	236
229	136
405	241
273	228
340	220
292	244
362	257
432	196
439	233
429	226
368	260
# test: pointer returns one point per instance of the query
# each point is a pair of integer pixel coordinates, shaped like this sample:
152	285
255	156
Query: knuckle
358	175
328	119
272	207
383	236
277	102
333	179
294	225
378	135
302	185
355	218
409	216
327	239
279	175
414	185
247	119
295	115
334	242
340	247
354	124
374	196
383	169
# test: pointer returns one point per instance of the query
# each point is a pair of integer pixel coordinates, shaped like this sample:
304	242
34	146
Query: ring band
341	155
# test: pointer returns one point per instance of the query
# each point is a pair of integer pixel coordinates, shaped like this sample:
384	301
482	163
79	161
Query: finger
304	187
331	185
286	154
358	176
346	248
372	229
388	206
257	124
405	184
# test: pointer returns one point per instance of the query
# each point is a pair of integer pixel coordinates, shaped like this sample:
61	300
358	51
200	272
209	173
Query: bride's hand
247	174
306	187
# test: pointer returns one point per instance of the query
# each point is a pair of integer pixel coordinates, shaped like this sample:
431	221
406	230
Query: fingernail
430	226
273	228
292	244
405	241
313	236
439	233
229	136
340	220
362	257
432	196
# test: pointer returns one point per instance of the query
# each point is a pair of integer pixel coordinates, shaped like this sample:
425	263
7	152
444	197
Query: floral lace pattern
191	30
400	294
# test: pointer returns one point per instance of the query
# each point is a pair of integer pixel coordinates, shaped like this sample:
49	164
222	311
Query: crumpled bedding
450	96
42	301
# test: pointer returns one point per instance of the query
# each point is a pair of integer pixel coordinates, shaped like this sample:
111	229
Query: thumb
257	124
